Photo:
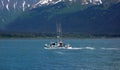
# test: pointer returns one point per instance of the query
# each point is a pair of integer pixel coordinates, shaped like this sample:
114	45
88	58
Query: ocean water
87	54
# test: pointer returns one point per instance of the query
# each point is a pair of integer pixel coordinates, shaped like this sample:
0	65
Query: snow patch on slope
8	0
2	3
95	2
14	5
46	2
7	7
23	5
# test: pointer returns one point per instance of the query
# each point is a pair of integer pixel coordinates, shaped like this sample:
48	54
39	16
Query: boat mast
59	32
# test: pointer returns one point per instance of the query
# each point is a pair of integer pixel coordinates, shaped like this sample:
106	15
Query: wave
110	48
90	48
60	53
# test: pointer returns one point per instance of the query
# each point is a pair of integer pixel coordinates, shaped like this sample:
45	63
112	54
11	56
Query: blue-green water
90	54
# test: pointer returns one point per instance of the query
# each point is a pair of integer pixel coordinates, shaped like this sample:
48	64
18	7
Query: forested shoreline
53	35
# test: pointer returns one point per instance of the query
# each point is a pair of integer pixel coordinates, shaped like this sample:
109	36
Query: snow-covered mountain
11	9
29	4
90	20
25	4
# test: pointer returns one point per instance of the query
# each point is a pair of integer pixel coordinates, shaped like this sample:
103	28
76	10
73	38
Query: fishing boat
58	44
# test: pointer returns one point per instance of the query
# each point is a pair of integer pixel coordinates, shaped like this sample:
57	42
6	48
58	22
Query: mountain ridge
98	21
78	15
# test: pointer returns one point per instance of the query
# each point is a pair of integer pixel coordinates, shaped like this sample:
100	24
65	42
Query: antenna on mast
59	31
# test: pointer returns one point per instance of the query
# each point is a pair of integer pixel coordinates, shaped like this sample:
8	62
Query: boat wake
75	48
110	48
80	48
92	48
88	48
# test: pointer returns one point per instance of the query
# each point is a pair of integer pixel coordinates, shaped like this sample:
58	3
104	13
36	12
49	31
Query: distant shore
53	35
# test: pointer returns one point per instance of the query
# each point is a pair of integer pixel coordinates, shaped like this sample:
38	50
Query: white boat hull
57	46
